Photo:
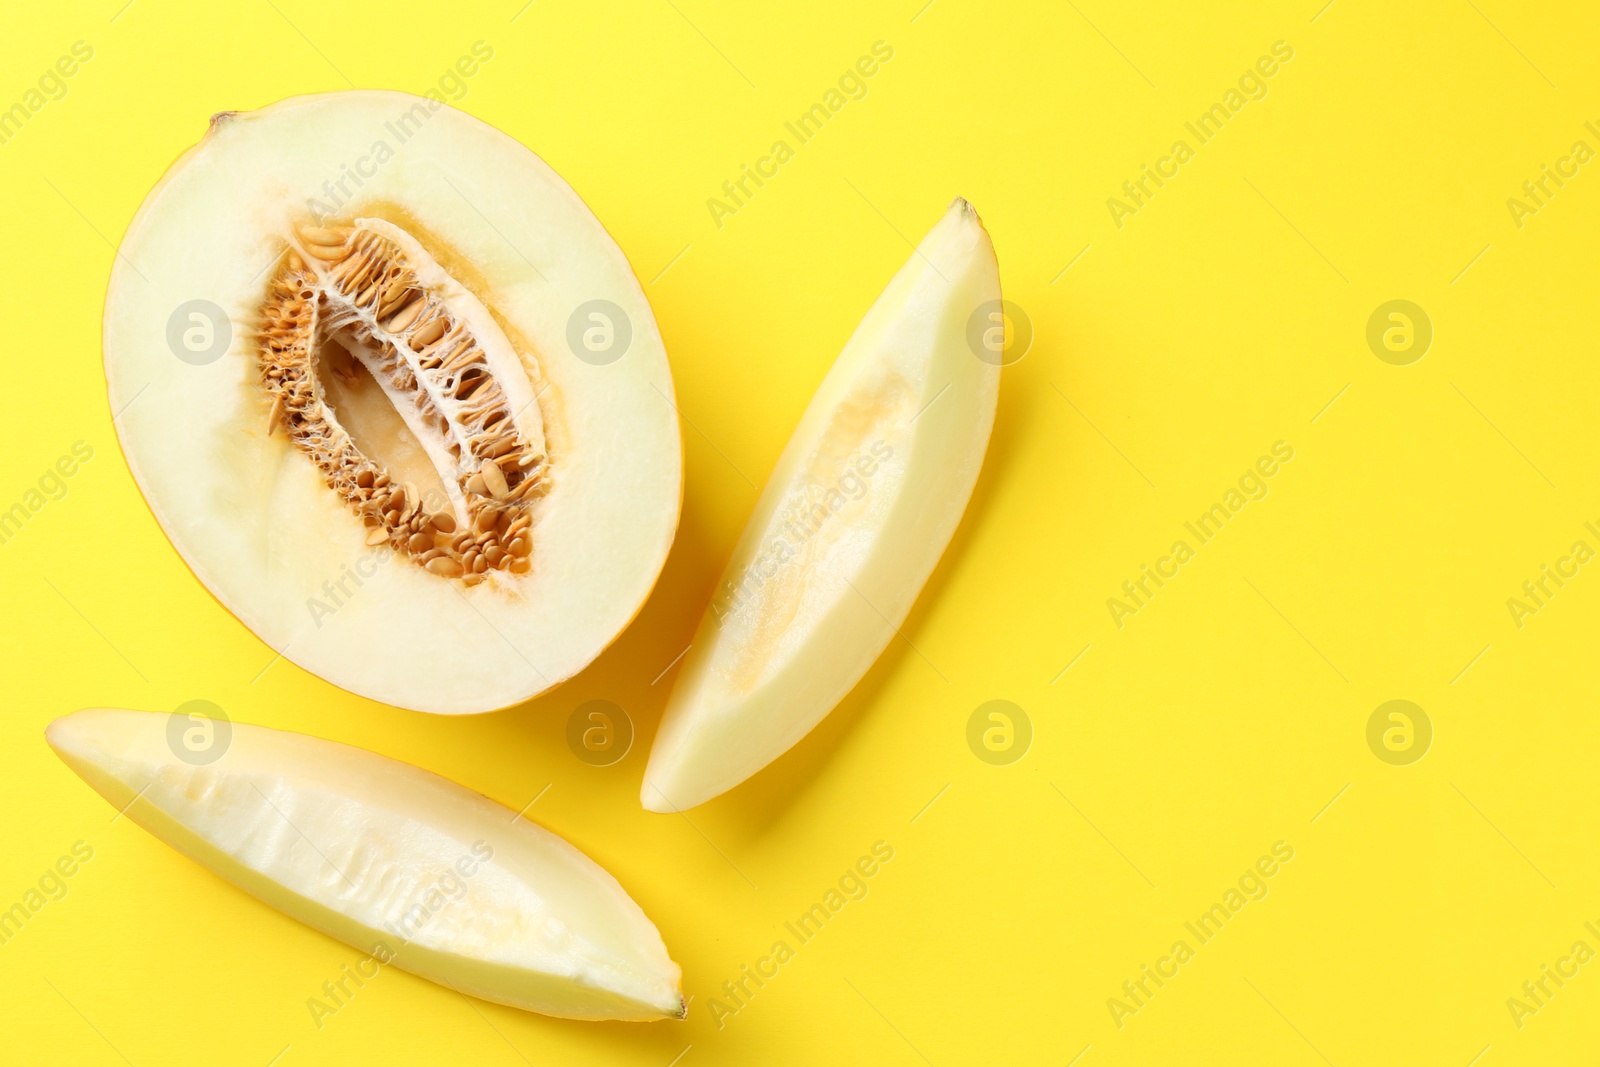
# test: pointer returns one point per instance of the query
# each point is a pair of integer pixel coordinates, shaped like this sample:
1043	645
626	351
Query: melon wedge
391	859
396	398
850	525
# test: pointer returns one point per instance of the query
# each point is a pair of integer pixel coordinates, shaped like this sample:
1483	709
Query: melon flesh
507	257
850	525
391	859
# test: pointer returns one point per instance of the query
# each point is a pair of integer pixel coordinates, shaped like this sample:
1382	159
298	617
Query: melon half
396	398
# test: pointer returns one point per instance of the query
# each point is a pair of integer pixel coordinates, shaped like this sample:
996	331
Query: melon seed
405	316
494	478
349	284
428	334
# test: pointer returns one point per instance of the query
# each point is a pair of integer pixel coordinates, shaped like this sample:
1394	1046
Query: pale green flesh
850	525
255	520
390	859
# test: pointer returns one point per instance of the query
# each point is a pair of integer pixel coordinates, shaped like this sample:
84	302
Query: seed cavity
370	289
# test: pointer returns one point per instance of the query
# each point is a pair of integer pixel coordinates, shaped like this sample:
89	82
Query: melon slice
396	398
852	521
391	859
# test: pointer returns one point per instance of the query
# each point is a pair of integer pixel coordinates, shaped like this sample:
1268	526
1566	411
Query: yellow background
1226	715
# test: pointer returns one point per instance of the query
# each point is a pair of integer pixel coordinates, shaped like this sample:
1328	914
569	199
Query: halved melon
396	398
853	520
396	861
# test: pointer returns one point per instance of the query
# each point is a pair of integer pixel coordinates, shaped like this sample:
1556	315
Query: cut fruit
856	514
391	859
396	398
